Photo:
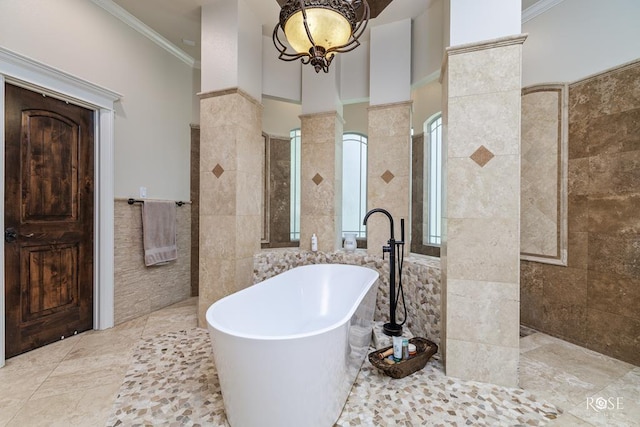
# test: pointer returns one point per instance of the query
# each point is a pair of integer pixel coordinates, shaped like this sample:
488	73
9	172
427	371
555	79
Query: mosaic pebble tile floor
172	381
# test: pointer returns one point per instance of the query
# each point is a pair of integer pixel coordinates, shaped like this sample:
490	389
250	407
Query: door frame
22	71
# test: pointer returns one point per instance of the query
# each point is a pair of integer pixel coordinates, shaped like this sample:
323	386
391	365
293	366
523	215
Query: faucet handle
385	249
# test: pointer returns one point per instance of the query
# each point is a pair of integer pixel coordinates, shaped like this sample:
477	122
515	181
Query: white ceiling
179	20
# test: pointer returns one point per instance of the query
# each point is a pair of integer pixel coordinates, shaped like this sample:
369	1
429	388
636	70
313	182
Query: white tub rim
262	337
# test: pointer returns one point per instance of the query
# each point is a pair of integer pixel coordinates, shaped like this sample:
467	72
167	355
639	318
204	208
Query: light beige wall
427	101
356	117
279	117
152	119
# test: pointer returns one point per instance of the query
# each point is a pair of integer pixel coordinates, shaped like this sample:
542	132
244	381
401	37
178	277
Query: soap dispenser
314	243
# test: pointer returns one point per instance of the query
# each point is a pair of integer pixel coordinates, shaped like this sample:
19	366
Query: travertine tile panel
251	148
578	129
578	251
614	294
578	171
280	192
321	199
612	133
218	237
390	120
616	253
615	173
531	294
565	302
488	192
217	280
324	227
578	214
247	228
218	146
319	128
217	111
485	71
244	273
483	312
614	213
611	92
541	194
491	119
480	362
540	122
248	200
468	255
388	149
388	154
218	195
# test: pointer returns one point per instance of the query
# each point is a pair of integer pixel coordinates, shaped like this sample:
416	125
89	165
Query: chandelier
318	29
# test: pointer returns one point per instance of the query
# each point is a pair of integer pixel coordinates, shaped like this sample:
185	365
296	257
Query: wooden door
48	218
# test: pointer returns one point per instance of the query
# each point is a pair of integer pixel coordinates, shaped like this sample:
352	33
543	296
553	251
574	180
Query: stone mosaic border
172	381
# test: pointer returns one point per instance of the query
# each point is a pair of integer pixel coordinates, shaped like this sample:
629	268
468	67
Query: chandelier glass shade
317	29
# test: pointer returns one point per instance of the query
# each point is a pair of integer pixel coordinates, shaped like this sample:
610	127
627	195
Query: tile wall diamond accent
482	156
317	179
387	176
218	170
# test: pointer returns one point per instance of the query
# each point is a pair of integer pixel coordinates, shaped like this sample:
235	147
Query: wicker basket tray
424	350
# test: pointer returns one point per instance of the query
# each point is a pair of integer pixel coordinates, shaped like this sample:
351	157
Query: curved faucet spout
384	211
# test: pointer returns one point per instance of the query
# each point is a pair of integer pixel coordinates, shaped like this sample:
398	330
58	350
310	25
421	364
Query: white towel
159	232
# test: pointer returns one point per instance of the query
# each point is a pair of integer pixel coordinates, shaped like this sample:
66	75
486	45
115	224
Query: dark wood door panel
49	280
49	158
49	166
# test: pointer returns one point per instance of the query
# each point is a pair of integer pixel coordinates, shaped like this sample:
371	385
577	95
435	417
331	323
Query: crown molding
36	76
145	30
538	8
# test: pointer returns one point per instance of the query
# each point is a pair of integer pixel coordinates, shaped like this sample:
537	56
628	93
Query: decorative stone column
231	150
481	253
389	172
231	164
321	180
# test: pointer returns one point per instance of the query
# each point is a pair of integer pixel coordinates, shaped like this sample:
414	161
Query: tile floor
76	382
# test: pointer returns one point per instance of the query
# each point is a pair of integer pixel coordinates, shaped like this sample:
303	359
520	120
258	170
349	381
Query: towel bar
132	201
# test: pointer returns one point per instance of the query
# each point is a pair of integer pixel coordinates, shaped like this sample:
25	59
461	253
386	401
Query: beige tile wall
543	217
321	180
389	172
594	301
139	290
231	167
482	218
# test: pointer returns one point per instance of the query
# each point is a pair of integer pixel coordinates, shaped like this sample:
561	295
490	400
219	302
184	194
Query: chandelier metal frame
319	56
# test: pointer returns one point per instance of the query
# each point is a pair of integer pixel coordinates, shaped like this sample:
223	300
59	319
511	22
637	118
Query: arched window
432	207
354	183
294	230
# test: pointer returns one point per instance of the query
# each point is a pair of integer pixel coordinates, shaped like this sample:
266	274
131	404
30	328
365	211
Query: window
294	231
354	184
433	182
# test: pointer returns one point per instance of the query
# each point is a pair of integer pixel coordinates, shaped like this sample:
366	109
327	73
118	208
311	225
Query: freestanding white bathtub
288	349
